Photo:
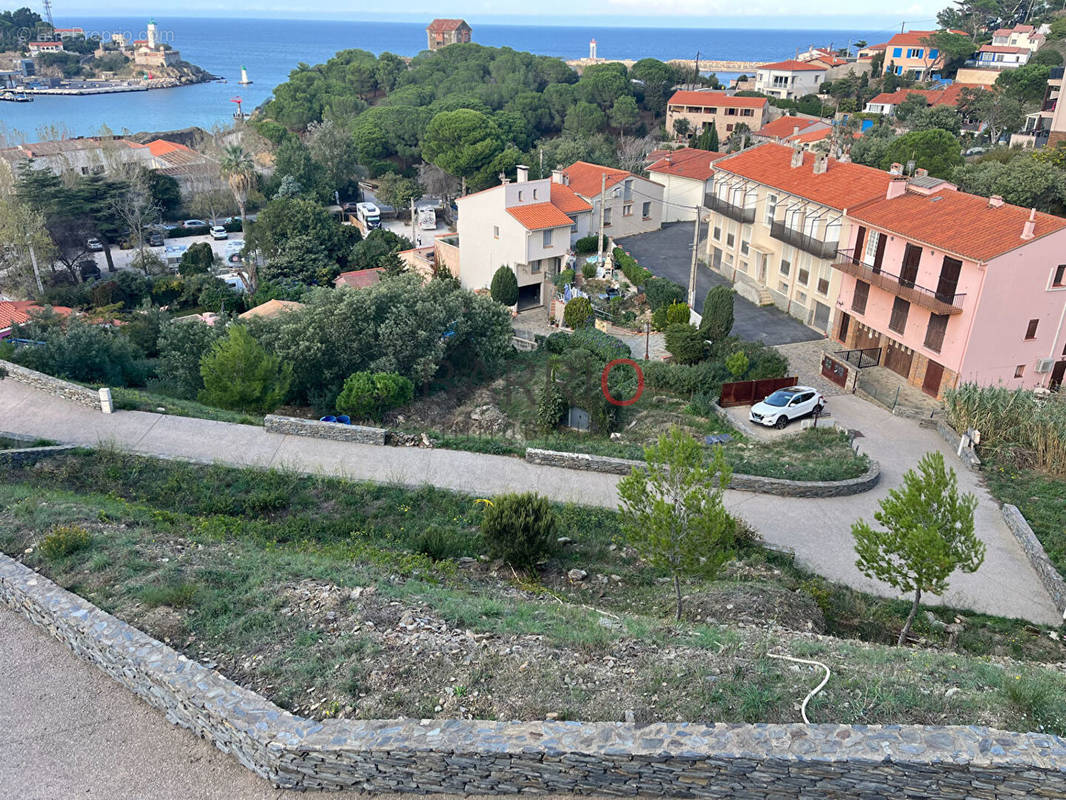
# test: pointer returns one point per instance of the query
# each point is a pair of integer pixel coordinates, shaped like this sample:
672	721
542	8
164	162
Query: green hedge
634	273
602	344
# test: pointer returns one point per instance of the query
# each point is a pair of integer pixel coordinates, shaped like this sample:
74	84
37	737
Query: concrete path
818	529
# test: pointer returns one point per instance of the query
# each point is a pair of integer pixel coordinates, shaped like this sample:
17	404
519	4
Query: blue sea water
271	48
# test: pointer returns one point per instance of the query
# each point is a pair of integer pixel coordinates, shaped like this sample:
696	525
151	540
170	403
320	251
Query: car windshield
779	399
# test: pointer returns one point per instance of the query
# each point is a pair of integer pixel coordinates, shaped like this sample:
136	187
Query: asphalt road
668	254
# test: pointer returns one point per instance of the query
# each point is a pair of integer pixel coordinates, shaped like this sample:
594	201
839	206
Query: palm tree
238	169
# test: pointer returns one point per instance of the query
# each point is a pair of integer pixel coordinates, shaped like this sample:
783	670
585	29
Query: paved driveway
668	254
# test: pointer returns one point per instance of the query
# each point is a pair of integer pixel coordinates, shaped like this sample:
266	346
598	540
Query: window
1030	332
823	286
897	52
534	266
731	234
870	255
627	210
801	298
782	287
899	70
1019	371
898	321
495	231
628	191
743	266
717	233
645	210
859	298
933	54
1060	276
534	194
519	195
934	334
729	127
607	217
745	239
548	237
771	208
747	112
804	264
786	260
915	52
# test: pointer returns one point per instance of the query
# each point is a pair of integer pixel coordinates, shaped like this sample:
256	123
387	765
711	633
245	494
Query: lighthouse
151	34
244	77
592	50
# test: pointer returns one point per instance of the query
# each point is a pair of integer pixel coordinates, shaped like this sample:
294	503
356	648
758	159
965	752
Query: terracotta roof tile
689	162
814	135
791	65
566	200
358	279
586	179
785	127
440	25
960	223
539	216
910	38
161	147
843	185
696	98
271	309
20	311
949	96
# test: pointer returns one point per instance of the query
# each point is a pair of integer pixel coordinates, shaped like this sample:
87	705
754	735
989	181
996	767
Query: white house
1019	36
526	225
790	79
631	204
687	177
1000	56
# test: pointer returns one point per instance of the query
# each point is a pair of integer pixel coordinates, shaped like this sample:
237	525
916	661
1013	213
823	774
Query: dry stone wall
82	395
1034	551
294	426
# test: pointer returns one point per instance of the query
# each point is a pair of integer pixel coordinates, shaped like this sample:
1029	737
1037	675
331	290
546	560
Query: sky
777	14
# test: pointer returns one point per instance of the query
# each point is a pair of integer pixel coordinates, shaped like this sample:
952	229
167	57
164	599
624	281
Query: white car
194	223
785	405
218	232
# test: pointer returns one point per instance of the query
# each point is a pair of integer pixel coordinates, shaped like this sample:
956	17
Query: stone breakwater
744	762
739	482
82	395
294	426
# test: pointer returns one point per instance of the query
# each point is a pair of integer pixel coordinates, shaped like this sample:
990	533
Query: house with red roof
443	32
790	79
913	55
686	176
951	287
1019	36
778	214
358	279
631	204
886	102
803	129
703	108
17	312
526	225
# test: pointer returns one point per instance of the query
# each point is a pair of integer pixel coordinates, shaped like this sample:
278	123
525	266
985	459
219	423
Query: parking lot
123	258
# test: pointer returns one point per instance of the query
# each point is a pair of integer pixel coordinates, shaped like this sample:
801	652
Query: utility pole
692	269
413	234
36	270
603	201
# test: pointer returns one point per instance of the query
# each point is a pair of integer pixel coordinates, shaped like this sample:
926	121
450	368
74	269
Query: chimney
1029	230
995	201
795	129
921	173
896	187
896	169
821	163
522	173
558	177
797	155
669	159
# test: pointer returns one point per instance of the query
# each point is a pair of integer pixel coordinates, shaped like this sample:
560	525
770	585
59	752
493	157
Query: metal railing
861	358
936	301
727	209
808	244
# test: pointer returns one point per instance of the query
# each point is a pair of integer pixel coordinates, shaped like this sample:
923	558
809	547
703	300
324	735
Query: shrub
182	346
443	542
588	269
558	342
677	313
662	292
504	287
368	395
520	528
634	273
737	364
564	277
551	404
240	375
685	343
64	540
717	314
605	346
658	319
587	245
197	260
578	313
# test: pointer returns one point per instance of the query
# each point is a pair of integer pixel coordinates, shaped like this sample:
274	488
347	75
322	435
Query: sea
271	48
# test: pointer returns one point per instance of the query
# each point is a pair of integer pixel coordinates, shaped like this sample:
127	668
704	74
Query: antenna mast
48	13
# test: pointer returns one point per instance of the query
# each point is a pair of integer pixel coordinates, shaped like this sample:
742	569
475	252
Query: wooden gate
934	374
834	370
897	360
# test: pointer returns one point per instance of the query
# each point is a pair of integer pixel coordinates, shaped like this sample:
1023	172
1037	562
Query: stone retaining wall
949	435
740	482
1034	551
23	457
82	395
294	426
744	762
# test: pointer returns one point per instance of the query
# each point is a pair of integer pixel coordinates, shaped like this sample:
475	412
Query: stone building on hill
443	32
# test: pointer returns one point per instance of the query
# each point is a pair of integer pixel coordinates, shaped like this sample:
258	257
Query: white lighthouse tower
151	34
244	77
592	50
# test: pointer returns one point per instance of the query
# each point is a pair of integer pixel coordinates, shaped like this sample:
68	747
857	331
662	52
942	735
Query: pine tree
239	374
504	287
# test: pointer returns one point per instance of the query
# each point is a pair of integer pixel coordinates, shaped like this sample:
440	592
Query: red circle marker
640	381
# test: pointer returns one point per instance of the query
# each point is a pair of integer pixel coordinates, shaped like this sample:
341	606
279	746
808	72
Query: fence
863	358
746	393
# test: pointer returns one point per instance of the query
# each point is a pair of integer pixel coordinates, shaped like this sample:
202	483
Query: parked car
218	232
786	405
94	244
89	269
155	239
194	223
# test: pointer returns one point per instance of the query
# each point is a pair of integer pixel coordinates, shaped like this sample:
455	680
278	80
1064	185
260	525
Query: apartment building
631	204
778	216
910	55
1019	36
526	225
1046	127
725	111
790	79
947	287
686	176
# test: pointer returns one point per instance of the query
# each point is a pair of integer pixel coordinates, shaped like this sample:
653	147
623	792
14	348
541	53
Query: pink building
955	288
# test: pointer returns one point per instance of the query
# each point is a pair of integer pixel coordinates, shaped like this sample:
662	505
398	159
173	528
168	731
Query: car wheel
782	421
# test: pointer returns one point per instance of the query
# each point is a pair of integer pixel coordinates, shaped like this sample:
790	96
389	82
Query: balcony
937	302
726	209
808	244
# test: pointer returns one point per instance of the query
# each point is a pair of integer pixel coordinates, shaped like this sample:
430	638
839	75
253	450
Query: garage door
897	360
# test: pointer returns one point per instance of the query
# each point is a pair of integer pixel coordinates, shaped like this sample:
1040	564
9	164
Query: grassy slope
222	561
1042	500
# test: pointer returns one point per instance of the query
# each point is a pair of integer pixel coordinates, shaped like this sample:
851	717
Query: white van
427	219
368	214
